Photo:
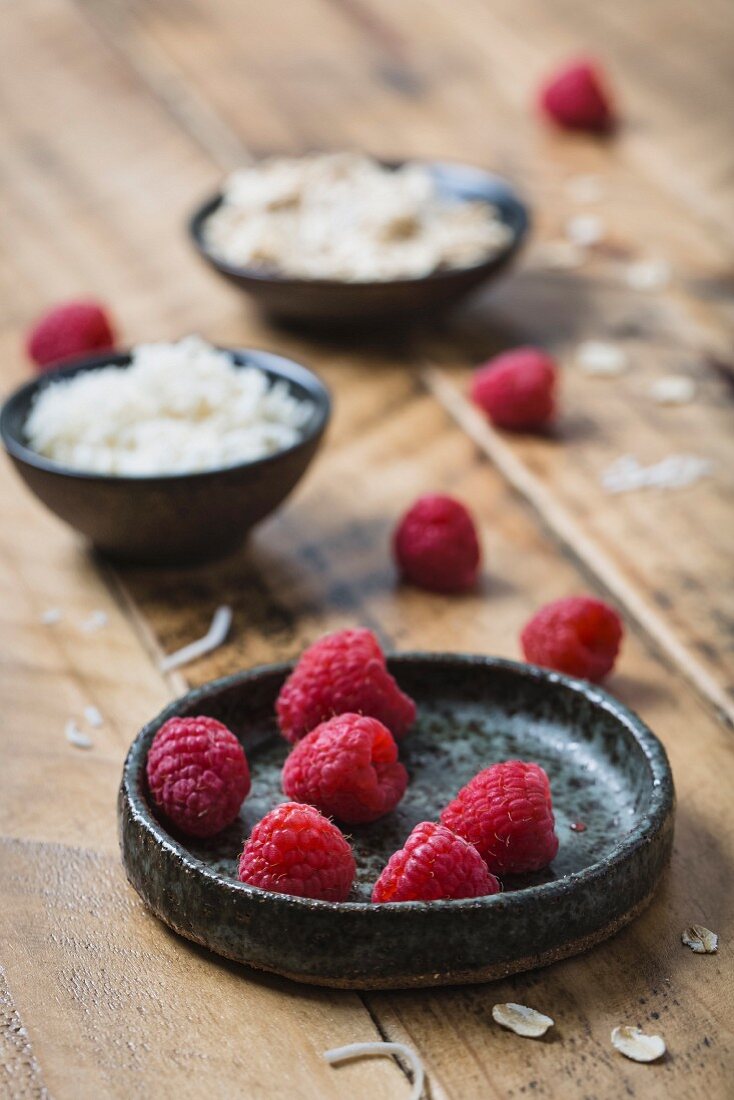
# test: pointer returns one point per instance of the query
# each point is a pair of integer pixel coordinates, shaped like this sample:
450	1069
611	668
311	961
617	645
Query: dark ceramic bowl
174	519
607	771
336	302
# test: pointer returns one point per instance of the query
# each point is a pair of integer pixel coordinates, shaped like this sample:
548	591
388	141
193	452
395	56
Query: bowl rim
658	809
272	278
277	367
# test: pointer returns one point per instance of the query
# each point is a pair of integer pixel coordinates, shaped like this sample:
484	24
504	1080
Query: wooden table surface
117	116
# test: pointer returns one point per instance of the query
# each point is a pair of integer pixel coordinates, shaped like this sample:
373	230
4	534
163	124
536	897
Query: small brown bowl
337	302
170	519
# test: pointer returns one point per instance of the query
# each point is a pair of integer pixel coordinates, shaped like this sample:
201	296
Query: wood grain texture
179	90
457	81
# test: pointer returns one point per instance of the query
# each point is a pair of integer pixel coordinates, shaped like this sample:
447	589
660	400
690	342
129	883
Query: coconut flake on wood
635	1044
700	940
357	1050
521	1019
214	637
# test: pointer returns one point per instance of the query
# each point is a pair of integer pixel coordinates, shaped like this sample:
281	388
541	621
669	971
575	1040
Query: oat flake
521	1019
601	358
634	1044
673	389
701	940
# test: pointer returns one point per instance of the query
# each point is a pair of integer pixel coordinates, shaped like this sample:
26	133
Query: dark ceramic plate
173	519
607	771
337	303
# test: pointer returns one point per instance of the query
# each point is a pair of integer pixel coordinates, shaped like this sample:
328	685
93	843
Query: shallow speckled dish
607	770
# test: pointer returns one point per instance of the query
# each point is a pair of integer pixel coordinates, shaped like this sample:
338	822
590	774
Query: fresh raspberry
68	331
348	768
198	774
434	864
577	635
436	545
576	98
517	389
342	673
505	812
296	850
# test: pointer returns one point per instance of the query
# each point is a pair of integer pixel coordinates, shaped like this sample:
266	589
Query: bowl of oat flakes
343	238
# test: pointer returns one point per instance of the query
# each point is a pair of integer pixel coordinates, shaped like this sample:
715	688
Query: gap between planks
574	540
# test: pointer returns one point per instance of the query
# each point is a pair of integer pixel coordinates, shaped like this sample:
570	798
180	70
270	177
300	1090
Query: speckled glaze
319	301
607	770
175	519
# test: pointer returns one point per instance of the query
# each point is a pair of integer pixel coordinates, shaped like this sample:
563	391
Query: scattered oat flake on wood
674	472
701	940
584	229
76	737
521	1019
601	358
357	1050
673	389
648	275
634	1044
51	616
214	637
95	621
93	717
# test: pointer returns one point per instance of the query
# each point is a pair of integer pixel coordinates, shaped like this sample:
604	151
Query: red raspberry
436	545
576	98
517	389
295	850
348	768
342	673
577	635
434	864
68	331
505	812
198	774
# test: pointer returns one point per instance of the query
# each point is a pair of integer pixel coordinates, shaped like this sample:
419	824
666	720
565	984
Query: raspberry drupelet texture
342	673
295	850
348	768
197	774
517	389
68	331
577	635
436	546
505	811
576	98
434	864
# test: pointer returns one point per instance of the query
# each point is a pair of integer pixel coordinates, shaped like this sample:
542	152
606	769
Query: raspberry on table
517	389
505	811
68	331
577	635
296	850
197	774
576	98
434	864
342	673
436	545
348	768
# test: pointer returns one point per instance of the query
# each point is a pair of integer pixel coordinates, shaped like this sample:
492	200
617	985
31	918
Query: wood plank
460	96
323	562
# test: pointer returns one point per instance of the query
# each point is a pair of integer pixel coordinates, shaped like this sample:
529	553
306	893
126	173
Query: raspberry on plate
295	850
348	768
434	864
517	389
505	811
67	331
342	673
577	635
197	774
576	98
436	545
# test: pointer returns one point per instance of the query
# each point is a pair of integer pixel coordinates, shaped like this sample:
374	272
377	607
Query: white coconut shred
177	408
346	216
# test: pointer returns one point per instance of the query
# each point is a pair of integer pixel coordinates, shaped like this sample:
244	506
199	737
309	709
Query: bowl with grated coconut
171	452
